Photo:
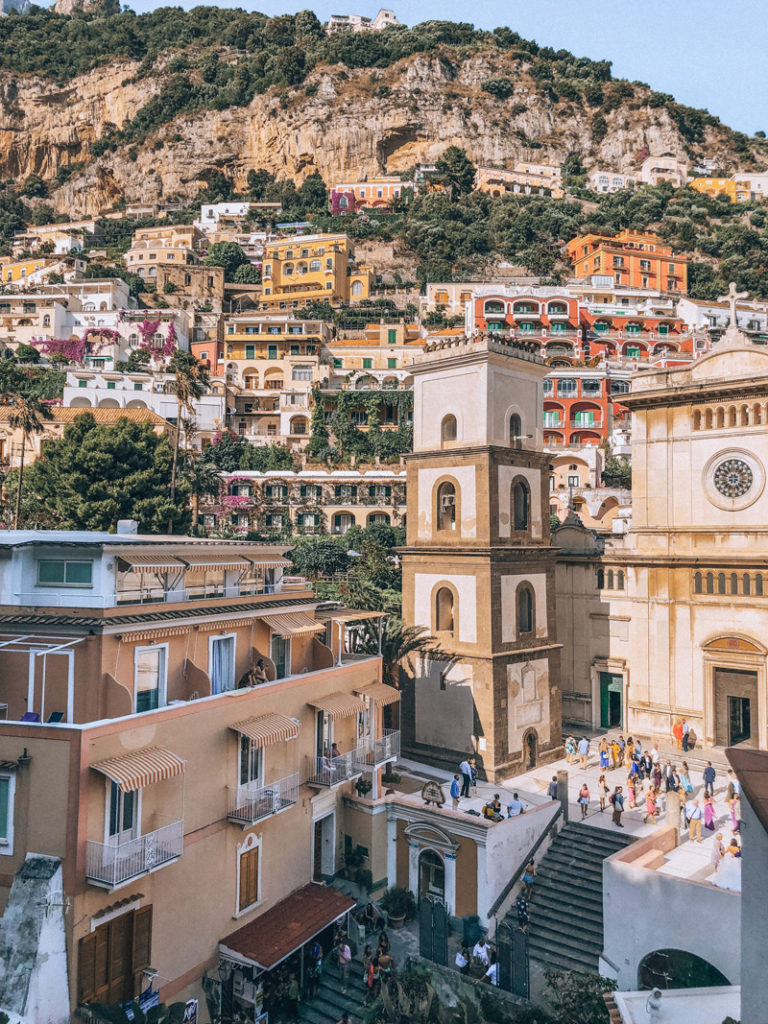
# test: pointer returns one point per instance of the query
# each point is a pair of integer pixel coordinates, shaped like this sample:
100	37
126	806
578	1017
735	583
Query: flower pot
396	922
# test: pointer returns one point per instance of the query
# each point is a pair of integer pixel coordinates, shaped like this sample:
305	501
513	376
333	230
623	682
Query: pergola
42	647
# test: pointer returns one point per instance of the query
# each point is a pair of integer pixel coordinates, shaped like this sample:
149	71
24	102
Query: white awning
293	624
140	768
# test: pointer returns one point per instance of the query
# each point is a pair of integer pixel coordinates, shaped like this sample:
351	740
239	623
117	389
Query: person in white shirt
462	959
466	772
492	974
515	806
480	952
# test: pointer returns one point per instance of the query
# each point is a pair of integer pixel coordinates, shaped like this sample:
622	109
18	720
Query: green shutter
5	825
391	337
272	352
367	364
250	351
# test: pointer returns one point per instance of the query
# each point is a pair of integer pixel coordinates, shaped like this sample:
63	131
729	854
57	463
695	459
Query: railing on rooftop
255	800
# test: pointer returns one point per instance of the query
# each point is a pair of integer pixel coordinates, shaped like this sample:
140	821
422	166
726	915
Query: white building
699	315
610	181
359	23
664	167
104	389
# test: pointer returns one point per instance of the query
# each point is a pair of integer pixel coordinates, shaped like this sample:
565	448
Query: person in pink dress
709	812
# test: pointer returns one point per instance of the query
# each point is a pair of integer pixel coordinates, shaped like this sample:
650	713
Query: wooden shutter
142	938
86	968
249	878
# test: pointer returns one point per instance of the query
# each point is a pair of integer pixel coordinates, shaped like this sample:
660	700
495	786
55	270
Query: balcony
379	751
587	424
251	802
331	771
111	866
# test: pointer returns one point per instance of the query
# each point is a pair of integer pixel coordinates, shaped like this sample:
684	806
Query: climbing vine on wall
348	423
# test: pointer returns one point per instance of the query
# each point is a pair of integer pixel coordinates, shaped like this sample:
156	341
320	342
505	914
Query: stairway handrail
518	874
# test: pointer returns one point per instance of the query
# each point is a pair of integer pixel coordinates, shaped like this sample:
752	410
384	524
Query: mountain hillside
110	107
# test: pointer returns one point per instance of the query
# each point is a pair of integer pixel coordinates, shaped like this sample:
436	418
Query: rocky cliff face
343	123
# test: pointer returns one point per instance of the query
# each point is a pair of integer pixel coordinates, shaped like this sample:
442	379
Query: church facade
671	620
478	568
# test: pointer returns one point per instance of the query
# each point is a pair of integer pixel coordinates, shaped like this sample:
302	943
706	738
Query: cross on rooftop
731	298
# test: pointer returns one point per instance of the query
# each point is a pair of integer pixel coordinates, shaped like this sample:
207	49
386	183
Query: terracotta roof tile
67	414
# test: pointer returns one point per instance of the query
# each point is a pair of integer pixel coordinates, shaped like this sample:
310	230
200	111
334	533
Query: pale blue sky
707	53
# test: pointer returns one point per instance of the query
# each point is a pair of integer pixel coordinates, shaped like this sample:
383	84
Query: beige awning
338	705
350	615
140	768
293	624
270	563
151	563
267	729
210	561
380	693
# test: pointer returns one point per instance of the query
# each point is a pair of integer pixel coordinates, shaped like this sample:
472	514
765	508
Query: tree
190	383
228	255
27	354
313	194
95	475
204	481
138	360
401	646
27	415
246	273
34	187
617	473
576	997
313	556
457	170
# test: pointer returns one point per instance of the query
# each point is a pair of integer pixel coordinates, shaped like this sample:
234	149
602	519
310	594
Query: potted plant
363	786
399	904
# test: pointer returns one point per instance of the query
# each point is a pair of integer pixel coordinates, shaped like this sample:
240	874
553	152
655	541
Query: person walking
615	754
552	788
685	779
455	791
570	749
603	790
631	795
656	775
734	805
603	752
583	753
709	812
694	823
718	851
709	779
528	877
686	735
345	959
521	905
734	786
466	773
677	733
473	773
650	807
617	802
584	800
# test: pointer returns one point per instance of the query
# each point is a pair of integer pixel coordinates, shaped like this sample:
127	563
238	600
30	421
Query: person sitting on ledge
369	917
256	675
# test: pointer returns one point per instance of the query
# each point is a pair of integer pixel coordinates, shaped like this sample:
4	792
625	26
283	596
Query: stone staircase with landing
331	1004
566	911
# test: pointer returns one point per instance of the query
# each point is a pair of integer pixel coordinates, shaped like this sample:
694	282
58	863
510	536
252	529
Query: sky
706	53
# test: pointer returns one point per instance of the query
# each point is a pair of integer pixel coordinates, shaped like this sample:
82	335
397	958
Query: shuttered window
249	878
112	957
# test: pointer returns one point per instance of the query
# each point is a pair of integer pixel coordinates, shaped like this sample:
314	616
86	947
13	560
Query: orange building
630	258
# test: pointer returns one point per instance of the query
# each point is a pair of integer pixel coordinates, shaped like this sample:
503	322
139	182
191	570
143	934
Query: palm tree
204	478
27	415
190	382
401	645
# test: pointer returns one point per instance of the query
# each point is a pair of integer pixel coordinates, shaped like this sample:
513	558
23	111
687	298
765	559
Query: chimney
127	526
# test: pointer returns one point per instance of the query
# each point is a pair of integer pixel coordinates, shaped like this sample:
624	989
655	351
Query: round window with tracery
733	478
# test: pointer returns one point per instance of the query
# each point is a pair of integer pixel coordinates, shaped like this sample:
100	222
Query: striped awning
270	563
380	693
351	615
140	768
338	705
150	563
293	624
267	729
210	561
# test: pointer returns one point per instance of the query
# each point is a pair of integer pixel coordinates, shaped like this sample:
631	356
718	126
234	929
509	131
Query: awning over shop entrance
273	936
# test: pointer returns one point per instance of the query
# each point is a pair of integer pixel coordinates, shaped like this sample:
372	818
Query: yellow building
175	244
306	267
379	356
21	270
736	190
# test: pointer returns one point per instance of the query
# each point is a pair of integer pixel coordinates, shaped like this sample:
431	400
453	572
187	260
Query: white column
31	682
450	882
70	686
413	868
391	851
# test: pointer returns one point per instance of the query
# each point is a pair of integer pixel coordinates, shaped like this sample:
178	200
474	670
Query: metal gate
433	930
512	947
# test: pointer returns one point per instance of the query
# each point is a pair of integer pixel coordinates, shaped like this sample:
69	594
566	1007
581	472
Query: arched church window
746	583
710	583
600	579
697	583
448	429
521	503
609	583
620	580
721	583
759	584
515	430
524	610
444	619
446	506
734	583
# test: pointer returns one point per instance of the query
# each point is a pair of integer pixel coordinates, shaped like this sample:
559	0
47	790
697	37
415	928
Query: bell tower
478	569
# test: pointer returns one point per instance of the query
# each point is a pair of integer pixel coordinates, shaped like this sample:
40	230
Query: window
248	893
448	429
221	663
600	579
301	373
444	611
150	677
609	580
123	814
524	610
573	480
250	762
391	364
7	792
271	351
566	387
367	364
697	579
515	429
710	580
520	505
315	266
250	351
294	350
111	385
338	364
82	383
620	580
61	573
746	584
446	506
280	653
391	336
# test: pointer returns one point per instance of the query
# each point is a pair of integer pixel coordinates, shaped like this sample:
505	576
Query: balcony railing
111	866
253	801
378	751
330	771
586	424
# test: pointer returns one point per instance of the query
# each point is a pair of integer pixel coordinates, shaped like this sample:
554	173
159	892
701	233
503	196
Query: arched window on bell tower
446	506
444	611
524	610
521	505
449	430
515	430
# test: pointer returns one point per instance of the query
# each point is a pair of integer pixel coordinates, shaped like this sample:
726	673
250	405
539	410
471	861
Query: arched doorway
431	875
530	748
675	968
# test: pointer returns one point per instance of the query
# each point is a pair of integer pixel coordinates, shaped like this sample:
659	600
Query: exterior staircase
330	1004
566	911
